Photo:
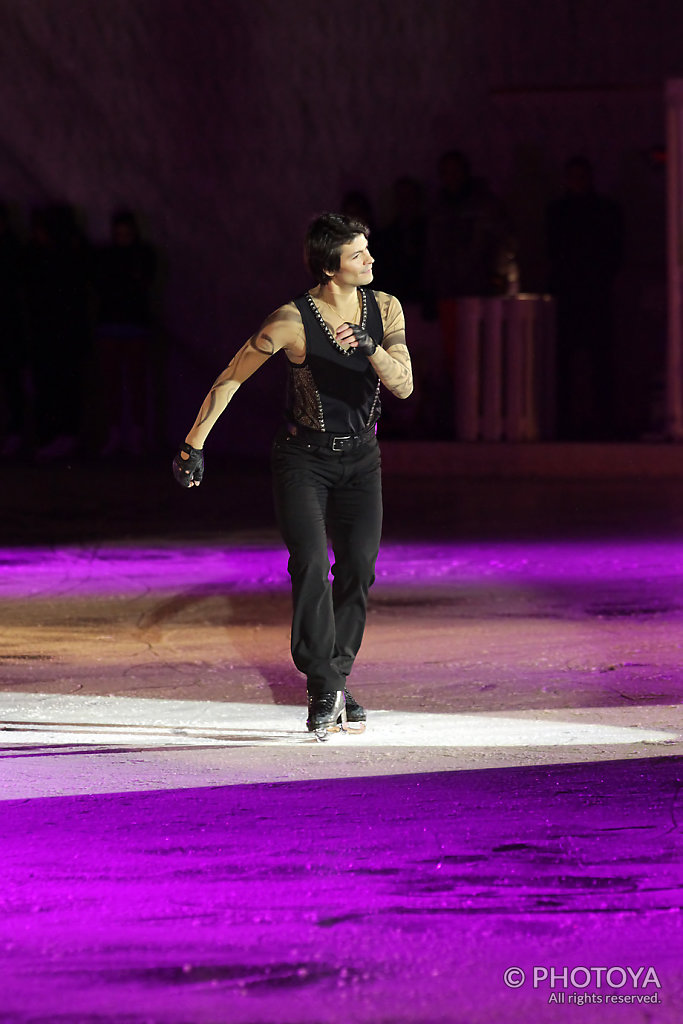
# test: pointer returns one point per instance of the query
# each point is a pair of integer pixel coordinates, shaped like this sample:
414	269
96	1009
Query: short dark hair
324	240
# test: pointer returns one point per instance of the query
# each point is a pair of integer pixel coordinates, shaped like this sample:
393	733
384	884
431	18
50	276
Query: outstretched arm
276	332
279	331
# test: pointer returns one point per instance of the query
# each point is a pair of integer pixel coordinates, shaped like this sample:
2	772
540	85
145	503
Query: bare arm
391	359
394	369
278	331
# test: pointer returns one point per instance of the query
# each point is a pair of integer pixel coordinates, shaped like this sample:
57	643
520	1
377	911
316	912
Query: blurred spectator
357	205
399	247
13	349
584	251
470	252
125	274
399	251
57	300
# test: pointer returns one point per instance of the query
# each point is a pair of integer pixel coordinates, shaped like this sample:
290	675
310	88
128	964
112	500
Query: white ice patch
57	746
61	721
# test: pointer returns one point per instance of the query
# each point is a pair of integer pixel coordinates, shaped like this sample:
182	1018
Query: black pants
318	491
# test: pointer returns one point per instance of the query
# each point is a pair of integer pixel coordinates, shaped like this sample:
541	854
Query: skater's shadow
286	684
237	608
78	749
69	738
151	621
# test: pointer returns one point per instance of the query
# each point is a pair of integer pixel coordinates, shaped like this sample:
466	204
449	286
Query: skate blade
322	735
355	727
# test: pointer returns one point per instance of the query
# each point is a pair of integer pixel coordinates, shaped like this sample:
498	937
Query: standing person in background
13	347
358	206
584	255
342	341
58	299
470	252
399	249
400	246
125	275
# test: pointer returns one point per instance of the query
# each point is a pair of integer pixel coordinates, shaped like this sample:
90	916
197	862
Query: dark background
227	124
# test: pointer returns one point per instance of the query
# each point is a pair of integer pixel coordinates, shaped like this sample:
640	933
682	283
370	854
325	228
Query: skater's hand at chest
356	337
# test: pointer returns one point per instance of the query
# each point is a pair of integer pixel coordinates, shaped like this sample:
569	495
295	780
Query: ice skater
343	341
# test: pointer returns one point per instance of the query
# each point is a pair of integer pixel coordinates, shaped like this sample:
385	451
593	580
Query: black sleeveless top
333	390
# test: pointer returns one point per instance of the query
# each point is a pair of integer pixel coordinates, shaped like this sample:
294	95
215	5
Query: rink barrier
504	376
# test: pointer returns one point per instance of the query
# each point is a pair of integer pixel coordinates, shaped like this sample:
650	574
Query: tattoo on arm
204	413
263	343
395	372
253	354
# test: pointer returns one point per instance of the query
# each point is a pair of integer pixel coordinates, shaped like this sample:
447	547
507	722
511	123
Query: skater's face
355	263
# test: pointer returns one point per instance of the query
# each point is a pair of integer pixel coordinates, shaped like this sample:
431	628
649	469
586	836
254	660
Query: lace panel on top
303	399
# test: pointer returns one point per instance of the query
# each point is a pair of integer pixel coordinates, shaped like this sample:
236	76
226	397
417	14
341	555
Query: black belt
326	439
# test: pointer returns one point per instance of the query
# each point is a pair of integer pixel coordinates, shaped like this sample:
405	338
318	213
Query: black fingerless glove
190	470
366	344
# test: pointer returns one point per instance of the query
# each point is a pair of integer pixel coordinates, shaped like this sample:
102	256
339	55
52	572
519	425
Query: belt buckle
346	437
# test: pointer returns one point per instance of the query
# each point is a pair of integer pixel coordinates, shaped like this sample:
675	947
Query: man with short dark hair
342	341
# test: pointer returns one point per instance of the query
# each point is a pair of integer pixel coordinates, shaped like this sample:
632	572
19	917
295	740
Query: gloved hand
366	344
189	472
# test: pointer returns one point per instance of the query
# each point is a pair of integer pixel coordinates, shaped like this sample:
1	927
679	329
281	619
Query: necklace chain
328	332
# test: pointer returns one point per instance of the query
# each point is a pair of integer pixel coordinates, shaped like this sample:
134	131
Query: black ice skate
355	713
326	713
